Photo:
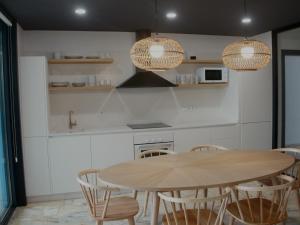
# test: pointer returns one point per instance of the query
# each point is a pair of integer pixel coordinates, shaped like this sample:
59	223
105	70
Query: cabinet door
256	135
110	149
226	136
256	95
33	96
189	138
36	166
68	155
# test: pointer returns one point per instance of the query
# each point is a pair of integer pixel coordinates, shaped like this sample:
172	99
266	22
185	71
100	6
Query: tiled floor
75	212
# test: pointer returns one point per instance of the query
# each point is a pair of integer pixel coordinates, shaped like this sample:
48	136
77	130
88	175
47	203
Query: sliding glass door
5	187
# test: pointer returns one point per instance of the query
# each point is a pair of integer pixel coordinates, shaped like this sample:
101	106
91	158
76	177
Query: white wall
128	105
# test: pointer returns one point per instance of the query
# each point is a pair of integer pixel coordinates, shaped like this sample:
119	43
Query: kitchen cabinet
256	95
110	149
256	135
33	96
226	136
36	166
186	139
68	155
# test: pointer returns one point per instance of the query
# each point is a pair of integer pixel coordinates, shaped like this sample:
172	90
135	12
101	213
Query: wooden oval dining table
193	170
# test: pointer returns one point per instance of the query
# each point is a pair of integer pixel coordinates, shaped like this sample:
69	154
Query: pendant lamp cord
245	30
245	7
156	16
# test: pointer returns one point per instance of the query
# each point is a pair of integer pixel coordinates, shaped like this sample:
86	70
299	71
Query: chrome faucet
72	123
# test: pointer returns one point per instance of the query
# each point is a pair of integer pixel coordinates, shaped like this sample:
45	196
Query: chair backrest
263	204
295	170
194	211
155	152
93	192
208	148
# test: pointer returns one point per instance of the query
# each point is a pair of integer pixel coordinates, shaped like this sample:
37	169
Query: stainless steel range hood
142	78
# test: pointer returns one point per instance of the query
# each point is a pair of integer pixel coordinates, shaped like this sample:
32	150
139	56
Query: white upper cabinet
33	96
68	156
256	90
256	96
110	149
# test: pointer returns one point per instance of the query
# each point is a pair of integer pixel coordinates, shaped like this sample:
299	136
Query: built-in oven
160	141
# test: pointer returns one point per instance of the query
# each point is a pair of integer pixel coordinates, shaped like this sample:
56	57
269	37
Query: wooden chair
147	154
201	148
293	172
101	205
208	148
261	205
190	215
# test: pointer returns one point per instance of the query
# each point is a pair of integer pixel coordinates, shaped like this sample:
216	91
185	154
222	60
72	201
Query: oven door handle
146	147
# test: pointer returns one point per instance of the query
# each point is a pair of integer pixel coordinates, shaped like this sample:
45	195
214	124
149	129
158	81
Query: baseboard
54	197
64	196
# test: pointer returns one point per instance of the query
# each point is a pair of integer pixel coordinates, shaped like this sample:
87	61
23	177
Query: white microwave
212	74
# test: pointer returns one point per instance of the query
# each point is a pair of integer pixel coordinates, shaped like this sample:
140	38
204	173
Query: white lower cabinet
110	149
189	138
36	166
68	155
227	136
256	135
52	164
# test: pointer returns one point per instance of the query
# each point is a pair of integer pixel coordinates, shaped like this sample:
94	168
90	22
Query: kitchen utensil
78	84
73	57
92	57
57	55
59	84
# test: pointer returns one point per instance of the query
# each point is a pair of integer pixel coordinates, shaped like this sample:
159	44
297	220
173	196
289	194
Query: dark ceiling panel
220	17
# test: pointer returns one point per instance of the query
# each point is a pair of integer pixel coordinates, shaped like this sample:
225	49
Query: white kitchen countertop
125	129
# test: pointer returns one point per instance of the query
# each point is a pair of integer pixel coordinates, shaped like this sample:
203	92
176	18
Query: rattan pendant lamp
156	53
247	54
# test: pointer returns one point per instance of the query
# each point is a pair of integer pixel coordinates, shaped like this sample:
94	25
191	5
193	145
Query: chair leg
134	194
99	222
177	194
131	221
231	220
298	198
196	196
146	198
205	192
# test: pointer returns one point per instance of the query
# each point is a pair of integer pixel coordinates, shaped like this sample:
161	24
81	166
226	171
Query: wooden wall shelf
206	85
204	62
81	61
80	89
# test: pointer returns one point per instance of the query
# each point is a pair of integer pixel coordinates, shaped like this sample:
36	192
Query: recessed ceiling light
80	11
171	15
246	20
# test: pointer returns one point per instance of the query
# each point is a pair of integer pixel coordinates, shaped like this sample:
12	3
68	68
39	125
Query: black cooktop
147	125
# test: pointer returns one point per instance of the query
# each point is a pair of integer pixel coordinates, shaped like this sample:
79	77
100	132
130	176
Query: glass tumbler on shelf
182	79
177	81
188	78
196	79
